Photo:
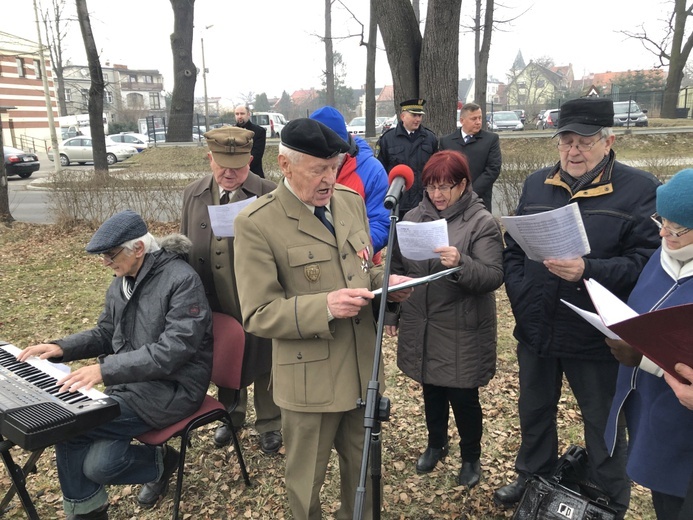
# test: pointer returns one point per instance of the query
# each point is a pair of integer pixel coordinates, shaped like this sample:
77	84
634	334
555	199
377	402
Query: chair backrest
229	348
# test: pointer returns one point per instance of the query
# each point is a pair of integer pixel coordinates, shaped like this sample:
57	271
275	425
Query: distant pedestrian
243	120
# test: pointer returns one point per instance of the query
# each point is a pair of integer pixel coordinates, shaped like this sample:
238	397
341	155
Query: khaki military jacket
286	263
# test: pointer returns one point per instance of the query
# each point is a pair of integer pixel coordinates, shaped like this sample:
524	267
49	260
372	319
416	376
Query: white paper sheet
418	281
558	234
594	320
222	217
417	240
609	306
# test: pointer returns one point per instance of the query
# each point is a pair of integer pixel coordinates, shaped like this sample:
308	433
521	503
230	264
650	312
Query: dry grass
49	287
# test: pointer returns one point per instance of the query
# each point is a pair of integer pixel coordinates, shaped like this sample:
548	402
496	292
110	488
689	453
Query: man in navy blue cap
615	202
153	344
408	143
305	279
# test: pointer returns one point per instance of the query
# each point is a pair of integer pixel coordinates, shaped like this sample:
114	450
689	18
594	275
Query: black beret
313	138
117	230
585	116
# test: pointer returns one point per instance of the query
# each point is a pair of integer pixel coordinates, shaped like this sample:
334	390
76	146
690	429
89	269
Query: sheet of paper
608	305
594	320
222	217
418	281
557	234
417	240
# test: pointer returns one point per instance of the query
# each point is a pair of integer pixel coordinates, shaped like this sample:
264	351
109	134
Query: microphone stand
377	407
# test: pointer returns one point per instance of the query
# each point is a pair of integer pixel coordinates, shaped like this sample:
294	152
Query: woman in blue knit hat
658	409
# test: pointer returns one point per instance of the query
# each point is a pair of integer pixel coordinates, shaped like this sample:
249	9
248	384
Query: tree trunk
54	37
329	56
5	215
184	72
370	71
482	55
400	31
678	56
96	89
439	64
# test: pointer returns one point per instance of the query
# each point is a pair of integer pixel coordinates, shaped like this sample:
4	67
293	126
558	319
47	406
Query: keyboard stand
18	477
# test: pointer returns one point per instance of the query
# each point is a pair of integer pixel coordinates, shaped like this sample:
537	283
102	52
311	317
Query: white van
273	122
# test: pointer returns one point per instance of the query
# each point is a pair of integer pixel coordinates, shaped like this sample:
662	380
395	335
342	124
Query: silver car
79	150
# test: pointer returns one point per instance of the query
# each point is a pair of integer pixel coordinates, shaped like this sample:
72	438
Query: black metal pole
377	408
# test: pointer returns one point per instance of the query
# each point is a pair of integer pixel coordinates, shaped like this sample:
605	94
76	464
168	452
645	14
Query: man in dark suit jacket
481	148
242	114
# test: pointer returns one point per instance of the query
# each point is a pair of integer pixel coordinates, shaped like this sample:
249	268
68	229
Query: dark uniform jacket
212	258
258	150
484	157
396	146
616	211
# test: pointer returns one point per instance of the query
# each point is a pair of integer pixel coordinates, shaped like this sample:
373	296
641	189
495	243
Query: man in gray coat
153	343
212	257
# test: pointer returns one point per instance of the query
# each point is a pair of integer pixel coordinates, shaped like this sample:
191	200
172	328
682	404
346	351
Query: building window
68	94
108	96
541	83
133	78
135	100
154	102
85	95
37	69
20	67
148	79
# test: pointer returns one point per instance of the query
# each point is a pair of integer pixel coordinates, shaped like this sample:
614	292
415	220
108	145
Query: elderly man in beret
230	156
615	202
154	358
305	279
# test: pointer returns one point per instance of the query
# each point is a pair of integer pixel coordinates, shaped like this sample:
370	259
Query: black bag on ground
567	494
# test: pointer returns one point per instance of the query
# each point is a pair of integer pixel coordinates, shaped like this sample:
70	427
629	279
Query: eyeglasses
659	221
109	259
442	189
581	147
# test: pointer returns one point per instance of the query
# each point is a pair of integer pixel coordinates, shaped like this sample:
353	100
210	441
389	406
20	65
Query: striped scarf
586	179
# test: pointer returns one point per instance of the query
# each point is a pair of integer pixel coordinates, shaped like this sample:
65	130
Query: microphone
401	178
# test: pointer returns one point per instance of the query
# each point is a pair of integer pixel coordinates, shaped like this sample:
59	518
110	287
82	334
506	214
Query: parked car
79	150
273	122
138	141
521	114
505	120
628	113
357	126
18	162
389	123
548	119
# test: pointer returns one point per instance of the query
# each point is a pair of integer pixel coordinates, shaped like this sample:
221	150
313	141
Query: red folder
665	336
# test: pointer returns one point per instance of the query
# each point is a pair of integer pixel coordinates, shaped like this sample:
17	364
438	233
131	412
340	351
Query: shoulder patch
260	203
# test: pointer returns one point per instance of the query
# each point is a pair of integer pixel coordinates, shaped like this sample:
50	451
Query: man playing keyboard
153	345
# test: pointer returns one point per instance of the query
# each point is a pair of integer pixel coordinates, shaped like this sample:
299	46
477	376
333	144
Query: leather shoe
222	436
97	514
428	460
153	491
470	473
270	442
509	495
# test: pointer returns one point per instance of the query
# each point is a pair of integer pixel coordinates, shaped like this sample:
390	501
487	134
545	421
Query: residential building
538	86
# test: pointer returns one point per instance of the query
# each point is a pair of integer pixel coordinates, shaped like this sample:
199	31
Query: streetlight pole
204	78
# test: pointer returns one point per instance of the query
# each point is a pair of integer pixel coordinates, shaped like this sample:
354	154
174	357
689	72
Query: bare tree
672	50
5	215
329	57
184	72
96	89
423	67
370	71
55	27
482	48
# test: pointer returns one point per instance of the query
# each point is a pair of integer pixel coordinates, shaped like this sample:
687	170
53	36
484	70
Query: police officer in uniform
408	143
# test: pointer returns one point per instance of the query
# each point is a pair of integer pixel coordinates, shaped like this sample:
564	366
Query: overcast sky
271	45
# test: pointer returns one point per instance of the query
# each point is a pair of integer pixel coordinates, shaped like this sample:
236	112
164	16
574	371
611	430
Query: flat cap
585	116
230	146
313	138
117	230
415	106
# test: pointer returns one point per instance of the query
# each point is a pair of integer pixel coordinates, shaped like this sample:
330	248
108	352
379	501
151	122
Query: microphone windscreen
404	171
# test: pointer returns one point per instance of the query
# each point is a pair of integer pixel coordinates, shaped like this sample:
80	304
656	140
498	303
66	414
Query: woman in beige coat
447	329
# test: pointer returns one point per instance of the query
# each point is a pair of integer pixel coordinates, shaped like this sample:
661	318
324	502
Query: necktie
467	139
224	199
320	213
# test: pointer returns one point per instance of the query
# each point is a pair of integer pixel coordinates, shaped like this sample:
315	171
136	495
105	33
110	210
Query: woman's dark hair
447	166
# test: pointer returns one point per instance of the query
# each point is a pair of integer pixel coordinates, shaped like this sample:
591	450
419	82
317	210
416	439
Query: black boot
428	460
97	514
470	473
153	491
509	495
